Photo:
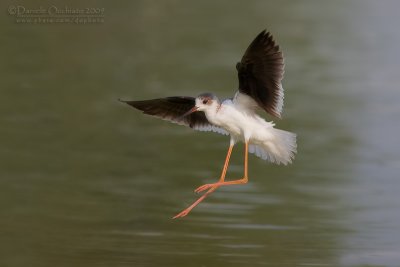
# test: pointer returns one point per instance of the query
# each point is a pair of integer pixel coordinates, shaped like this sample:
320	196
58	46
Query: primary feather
261	72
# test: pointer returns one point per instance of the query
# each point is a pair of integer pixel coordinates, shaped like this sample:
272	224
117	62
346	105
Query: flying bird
260	74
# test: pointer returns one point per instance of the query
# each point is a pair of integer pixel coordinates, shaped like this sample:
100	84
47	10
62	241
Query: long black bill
194	109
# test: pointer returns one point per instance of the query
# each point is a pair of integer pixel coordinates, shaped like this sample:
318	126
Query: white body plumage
238	118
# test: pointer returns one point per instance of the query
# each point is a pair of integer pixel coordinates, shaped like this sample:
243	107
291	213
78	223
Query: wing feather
261	72
172	109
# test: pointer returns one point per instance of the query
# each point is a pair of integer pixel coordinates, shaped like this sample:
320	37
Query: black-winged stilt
260	74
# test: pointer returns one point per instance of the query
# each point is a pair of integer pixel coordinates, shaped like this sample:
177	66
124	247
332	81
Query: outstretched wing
172	109
260	73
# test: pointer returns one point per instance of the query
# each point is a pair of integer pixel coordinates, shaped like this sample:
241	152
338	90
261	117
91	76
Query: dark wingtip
238	66
263	33
128	102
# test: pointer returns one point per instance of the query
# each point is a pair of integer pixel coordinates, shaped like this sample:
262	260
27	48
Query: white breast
240	123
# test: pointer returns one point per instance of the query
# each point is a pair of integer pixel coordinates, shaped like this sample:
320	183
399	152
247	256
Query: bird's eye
205	101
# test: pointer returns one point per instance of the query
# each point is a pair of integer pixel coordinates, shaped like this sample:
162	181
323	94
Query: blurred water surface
86	181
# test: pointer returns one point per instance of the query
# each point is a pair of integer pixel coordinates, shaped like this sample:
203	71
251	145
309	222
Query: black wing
260	73
172	108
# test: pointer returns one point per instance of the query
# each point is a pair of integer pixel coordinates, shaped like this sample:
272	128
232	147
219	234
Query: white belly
240	125
265	141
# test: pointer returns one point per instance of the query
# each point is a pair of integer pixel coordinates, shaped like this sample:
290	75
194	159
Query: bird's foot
186	211
221	183
207	186
182	214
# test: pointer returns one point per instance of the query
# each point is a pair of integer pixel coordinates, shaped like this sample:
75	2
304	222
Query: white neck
212	113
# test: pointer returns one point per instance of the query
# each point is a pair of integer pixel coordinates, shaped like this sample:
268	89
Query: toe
181	214
202	188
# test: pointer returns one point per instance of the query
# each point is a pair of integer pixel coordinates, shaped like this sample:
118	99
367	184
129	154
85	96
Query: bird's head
207	101
204	102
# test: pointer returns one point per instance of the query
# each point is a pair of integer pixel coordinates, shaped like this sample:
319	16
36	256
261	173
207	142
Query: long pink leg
222	182
212	189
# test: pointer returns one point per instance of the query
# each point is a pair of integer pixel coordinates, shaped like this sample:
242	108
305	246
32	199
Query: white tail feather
280	148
